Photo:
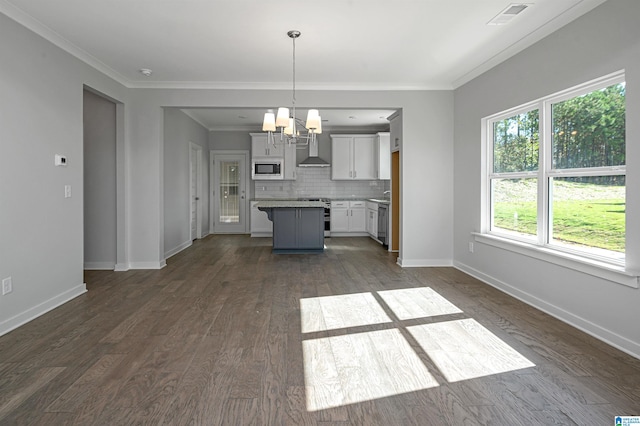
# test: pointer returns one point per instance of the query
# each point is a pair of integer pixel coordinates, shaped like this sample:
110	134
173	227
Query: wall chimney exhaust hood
313	160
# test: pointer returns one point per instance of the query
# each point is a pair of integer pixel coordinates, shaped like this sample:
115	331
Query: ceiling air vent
508	14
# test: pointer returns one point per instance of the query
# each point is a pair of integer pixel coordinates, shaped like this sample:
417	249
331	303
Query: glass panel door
229	193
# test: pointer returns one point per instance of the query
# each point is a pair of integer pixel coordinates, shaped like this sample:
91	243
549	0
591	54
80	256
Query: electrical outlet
470	247
7	286
67	191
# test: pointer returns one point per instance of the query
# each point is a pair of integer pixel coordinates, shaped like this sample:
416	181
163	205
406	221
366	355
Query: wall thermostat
60	160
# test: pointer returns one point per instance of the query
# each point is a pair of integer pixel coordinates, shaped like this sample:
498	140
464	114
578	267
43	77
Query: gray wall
238	140
599	43
100	232
179	131
41	232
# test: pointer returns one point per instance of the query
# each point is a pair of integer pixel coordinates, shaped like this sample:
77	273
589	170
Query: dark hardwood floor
215	338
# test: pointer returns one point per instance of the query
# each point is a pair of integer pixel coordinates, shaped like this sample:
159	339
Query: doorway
229	189
100	184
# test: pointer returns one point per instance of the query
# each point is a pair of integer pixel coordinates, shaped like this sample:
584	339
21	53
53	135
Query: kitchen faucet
385	193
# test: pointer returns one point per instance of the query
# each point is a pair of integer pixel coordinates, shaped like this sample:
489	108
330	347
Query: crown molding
48	34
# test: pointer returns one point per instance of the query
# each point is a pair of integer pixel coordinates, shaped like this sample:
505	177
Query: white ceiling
345	44
250	119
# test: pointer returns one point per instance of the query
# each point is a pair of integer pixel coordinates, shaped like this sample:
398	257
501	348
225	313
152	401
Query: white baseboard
424	263
178	249
349	234
620	342
40	309
262	234
121	267
99	266
148	265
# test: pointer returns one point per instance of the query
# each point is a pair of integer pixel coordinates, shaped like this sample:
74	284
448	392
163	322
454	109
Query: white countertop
270	204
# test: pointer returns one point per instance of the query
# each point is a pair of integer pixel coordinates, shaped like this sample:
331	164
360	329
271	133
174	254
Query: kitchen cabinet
298	229
395	130
348	217
383	156
260	147
261	226
353	157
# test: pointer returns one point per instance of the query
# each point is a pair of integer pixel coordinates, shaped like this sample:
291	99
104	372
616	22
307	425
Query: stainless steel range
327	213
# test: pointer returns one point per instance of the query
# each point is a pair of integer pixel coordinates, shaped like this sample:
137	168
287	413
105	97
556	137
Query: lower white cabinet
348	217
261	226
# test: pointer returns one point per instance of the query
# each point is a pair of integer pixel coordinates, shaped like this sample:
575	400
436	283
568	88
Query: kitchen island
298	226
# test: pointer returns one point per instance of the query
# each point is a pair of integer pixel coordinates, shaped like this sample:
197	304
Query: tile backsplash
316	182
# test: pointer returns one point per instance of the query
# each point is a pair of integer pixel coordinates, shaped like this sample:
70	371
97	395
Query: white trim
620	342
424	263
41	309
212	187
350	234
543	248
197	162
121	267
178	249
99	266
606	271
148	265
53	37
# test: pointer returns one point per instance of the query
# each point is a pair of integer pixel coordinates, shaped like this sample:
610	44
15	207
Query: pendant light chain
294	87
285	122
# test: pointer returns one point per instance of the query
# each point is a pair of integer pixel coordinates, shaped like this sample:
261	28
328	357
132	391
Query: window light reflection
421	302
333	312
355	367
464	349
360	367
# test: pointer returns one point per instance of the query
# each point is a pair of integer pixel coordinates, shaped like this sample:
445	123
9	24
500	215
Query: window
556	172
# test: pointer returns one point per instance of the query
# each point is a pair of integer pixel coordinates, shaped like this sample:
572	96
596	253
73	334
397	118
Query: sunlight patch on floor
421	302
334	312
464	349
341	369
359	367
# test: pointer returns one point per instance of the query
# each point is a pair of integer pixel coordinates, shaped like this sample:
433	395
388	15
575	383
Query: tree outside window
557	175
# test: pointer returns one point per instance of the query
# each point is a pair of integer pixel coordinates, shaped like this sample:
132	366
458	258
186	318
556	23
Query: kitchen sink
379	200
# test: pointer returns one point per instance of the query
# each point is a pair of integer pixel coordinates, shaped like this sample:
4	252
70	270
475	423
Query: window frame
541	245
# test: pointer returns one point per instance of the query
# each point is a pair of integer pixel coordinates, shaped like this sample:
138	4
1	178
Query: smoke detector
510	12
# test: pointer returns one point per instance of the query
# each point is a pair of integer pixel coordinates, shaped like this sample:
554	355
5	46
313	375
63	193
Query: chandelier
288	125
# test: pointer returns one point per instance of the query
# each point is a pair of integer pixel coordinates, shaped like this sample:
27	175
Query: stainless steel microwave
267	168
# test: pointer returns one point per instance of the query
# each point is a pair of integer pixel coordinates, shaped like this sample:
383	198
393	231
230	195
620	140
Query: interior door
230	193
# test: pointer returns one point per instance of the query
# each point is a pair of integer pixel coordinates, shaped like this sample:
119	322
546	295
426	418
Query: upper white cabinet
383	155
353	157
395	127
261	148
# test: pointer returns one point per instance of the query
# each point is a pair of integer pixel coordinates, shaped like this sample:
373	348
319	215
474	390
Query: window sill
609	272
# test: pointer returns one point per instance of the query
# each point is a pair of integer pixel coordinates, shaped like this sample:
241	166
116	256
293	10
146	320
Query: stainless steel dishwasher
383	223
